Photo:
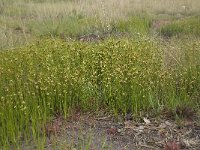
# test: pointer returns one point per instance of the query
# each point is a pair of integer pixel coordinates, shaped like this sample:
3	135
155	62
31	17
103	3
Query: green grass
120	76
17	33
70	26
188	26
134	25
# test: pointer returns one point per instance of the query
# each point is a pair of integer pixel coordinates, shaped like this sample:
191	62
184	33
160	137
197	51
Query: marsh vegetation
139	58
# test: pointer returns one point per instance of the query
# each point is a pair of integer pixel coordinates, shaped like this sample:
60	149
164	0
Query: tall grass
120	76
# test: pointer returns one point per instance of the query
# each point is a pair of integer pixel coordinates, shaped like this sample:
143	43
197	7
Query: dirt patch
95	132
102	36
95	37
157	24
90	38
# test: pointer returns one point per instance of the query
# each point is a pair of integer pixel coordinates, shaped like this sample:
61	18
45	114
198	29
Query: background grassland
23	21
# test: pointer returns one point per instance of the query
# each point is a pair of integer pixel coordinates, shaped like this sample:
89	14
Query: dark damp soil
92	132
